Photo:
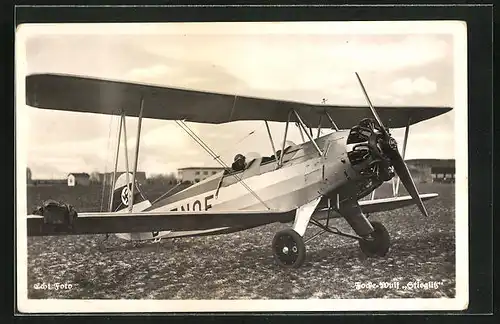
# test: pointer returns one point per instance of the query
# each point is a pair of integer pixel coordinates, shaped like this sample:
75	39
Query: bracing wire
214	155
166	193
200	142
241	140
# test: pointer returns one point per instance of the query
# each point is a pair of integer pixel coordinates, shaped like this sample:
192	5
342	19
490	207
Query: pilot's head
239	157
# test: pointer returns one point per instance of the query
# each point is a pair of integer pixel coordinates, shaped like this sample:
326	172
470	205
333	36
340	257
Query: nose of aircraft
390	150
366	150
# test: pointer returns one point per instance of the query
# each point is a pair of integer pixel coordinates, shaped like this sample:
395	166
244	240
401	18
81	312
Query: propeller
391	150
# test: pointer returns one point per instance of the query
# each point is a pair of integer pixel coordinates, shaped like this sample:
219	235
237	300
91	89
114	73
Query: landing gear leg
289	249
374	239
288	245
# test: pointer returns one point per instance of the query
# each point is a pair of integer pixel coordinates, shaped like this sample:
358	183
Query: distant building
49	182
140	176
432	170
78	179
197	174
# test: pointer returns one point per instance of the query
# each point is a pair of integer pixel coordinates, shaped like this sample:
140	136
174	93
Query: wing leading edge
102	96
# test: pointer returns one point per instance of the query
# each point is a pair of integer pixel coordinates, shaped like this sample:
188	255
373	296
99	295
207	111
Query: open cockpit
251	164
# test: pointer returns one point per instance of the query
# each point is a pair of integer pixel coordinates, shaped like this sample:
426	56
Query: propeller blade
396	160
374	112
404	174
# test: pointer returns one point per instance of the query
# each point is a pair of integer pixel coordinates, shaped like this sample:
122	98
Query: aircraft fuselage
303	176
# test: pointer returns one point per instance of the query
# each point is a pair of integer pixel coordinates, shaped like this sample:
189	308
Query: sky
301	62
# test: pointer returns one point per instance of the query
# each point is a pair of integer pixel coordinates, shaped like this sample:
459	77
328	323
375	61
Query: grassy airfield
241	265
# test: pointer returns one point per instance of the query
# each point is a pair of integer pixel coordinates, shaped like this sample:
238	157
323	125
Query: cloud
286	62
407	86
436	145
405	52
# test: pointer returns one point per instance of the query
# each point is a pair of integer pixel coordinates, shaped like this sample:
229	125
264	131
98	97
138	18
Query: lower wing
67	223
378	205
386	204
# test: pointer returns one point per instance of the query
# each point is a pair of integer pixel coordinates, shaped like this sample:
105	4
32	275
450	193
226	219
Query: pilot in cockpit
239	163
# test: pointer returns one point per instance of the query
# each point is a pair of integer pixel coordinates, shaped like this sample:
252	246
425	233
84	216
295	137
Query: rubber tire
299	243
380	246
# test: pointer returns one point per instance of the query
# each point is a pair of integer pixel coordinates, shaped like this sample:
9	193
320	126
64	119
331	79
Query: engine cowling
366	147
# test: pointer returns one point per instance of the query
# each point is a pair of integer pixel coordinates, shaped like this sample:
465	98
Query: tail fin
121	195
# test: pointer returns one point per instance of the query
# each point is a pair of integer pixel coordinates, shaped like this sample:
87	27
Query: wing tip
429	195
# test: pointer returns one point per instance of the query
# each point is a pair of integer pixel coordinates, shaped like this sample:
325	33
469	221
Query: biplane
325	177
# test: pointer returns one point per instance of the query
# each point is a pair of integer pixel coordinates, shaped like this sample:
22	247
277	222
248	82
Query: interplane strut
111	196
405	141
136	158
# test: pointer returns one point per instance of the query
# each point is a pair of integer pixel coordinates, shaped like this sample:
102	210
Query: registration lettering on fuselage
199	204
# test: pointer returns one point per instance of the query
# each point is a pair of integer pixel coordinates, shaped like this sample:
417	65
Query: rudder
121	195
121	202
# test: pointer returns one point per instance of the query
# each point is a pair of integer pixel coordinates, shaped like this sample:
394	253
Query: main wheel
289	249
378	244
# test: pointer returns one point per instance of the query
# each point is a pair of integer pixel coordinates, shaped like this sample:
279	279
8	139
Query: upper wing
83	94
136	222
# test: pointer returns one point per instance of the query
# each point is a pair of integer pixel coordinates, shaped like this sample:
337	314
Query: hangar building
432	170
